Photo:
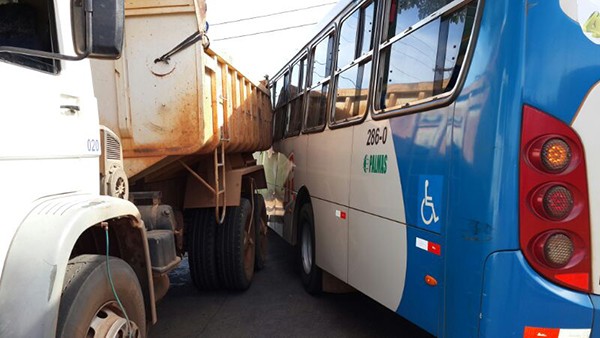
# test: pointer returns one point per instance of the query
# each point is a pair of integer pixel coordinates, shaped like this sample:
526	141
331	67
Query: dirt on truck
188	123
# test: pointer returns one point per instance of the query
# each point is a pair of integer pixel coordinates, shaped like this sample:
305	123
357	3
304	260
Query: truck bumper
518	302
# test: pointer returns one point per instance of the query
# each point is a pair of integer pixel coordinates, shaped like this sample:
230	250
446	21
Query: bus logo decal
430	202
375	164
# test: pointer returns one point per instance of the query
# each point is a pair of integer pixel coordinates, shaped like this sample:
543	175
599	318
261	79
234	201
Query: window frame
297	61
436	100
281	109
329	32
358	60
53	66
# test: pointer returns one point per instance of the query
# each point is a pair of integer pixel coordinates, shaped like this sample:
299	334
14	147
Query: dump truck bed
167	110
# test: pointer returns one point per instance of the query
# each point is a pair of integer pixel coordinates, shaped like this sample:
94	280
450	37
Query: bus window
296	99
404	14
354	65
368	20
452	54
348	39
280	91
425	62
318	93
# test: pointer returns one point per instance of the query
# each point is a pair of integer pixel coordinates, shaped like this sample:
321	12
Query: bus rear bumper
518	302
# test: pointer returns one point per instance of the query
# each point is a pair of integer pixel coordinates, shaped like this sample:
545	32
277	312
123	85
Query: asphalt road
276	305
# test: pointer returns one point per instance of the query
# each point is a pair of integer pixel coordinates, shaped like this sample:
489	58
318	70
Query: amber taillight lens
556	155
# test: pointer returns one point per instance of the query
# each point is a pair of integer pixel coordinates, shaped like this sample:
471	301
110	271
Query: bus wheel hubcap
306	250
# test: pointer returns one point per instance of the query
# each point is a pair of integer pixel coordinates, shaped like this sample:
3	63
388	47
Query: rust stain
178	126
179	122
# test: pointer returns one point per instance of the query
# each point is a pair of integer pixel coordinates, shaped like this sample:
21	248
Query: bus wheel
260	222
200	235
236	240
309	271
88	307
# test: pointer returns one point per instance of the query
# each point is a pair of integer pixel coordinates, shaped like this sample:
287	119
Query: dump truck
188	122
129	145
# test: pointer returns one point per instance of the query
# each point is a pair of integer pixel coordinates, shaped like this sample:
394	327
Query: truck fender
256	173
32	279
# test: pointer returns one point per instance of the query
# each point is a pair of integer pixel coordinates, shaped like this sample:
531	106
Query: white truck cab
56	224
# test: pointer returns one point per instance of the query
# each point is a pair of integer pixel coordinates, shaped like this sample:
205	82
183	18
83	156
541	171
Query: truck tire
200	234
236	247
88	307
309	271
260	222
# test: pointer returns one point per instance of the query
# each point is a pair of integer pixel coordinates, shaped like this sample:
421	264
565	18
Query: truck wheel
309	271
260	222
236	247
88	307
200	236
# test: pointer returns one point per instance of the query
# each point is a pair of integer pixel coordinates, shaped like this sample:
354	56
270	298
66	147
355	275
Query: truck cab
54	237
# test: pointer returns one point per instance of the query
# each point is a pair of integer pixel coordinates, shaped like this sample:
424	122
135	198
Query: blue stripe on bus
515	296
421	302
558	78
481	141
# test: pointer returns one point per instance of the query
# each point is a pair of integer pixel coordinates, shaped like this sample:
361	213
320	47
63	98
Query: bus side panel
516	297
331	237
328	178
421	144
561	63
375	239
483	189
377	229
375	178
328	165
421	302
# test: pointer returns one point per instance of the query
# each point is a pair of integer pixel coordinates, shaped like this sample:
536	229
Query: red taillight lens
558	202
554	214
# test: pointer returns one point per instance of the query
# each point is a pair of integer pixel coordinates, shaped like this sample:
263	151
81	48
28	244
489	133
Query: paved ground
274	306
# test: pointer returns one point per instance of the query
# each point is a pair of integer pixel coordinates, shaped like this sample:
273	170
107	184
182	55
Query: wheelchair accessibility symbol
427	201
430	202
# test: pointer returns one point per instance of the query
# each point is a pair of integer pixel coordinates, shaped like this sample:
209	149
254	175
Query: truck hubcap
109	322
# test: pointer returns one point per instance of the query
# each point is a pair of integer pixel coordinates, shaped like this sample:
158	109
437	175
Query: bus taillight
556	155
554	208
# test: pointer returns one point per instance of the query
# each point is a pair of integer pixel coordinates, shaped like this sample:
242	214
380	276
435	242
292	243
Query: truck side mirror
99	23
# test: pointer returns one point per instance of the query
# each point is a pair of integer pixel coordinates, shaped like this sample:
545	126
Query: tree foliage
425	7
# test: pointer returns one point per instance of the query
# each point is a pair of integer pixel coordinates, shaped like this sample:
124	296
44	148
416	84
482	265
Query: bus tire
201	240
88	304
260	225
236	247
309	271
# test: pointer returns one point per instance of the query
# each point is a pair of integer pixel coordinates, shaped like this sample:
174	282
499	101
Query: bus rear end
551	286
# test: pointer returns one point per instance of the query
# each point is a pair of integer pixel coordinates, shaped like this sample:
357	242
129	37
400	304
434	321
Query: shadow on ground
276	305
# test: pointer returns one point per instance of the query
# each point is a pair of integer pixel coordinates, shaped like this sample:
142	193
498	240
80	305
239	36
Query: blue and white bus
443	158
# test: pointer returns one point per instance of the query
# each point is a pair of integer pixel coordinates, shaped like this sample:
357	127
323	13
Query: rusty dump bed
166	110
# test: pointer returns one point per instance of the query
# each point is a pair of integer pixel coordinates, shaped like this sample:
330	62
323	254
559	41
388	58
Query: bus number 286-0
376	135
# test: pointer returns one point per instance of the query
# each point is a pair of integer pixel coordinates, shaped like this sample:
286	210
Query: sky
262	54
